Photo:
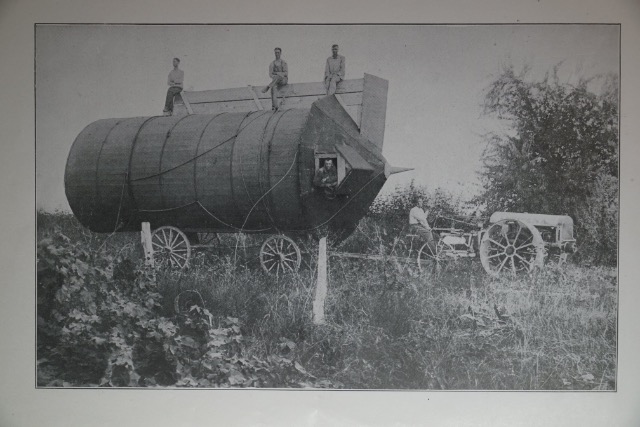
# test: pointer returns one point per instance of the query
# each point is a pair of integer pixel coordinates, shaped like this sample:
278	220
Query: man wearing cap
175	82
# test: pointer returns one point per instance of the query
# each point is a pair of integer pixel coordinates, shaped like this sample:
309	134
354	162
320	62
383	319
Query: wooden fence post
145	236
321	284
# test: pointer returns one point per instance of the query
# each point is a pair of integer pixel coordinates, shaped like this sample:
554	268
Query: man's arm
179	79
343	67
271	73
422	219
317	178
285	69
327	73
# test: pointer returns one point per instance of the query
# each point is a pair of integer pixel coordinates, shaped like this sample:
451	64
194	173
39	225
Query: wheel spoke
515	239
495	255
502	264
522	259
178	255
174	239
524	246
272	265
493	241
513	266
290	267
278	269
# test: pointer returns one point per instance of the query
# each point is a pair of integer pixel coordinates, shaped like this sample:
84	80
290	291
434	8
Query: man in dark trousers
175	82
334	70
279	73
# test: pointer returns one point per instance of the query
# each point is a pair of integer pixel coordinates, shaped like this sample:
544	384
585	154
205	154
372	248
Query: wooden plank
372	257
374	109
255	97
290	90
186	102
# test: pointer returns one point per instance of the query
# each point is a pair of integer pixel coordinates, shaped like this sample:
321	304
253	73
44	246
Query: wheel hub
510	250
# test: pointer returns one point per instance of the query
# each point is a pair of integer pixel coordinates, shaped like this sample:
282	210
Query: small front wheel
428	260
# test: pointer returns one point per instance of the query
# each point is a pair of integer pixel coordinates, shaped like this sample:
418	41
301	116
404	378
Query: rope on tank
202	154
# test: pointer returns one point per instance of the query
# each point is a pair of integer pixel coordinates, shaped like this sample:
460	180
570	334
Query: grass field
103	319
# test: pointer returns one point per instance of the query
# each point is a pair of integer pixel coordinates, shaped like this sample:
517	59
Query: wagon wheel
428	260
279	255
512	246
171	247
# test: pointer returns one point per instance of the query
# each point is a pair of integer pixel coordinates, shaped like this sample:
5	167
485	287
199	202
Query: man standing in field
175	82
334	70
279	73
418	224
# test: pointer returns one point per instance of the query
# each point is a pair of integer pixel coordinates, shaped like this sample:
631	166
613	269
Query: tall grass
394	327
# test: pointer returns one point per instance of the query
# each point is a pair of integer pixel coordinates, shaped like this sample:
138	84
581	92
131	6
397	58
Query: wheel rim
511	246
427	260
280	255
171	247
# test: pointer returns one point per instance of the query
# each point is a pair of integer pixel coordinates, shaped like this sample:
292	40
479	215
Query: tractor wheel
511	246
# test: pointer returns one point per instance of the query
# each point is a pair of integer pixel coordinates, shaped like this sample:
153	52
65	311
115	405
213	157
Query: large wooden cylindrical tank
223	172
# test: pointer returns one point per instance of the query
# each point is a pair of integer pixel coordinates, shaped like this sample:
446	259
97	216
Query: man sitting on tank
419	225
279	73
326	177
175	82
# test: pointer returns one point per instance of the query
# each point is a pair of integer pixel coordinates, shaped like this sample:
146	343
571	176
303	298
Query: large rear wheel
511	246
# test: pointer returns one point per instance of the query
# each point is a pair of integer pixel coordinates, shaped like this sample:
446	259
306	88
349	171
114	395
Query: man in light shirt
279	73
334	70
175	82
326	177
419	225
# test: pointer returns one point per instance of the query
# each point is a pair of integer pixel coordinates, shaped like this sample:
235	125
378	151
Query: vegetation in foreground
104	320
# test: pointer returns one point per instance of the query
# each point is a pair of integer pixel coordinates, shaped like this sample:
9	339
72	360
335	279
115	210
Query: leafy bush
101	321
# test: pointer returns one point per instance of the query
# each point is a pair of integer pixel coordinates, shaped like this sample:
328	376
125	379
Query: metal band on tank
195	160
98	195
133	146
233	146
164	144
267	203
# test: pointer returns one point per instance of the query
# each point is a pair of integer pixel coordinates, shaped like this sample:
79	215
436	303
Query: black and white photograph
333	207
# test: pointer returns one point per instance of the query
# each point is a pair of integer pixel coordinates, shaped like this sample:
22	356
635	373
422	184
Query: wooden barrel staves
230	171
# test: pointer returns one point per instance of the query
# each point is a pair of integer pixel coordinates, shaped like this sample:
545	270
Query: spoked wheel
280	255
511	246
171	247
428	260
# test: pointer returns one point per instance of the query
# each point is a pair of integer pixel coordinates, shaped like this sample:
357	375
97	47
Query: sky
437	79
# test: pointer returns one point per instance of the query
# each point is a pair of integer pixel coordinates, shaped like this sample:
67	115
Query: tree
558	156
